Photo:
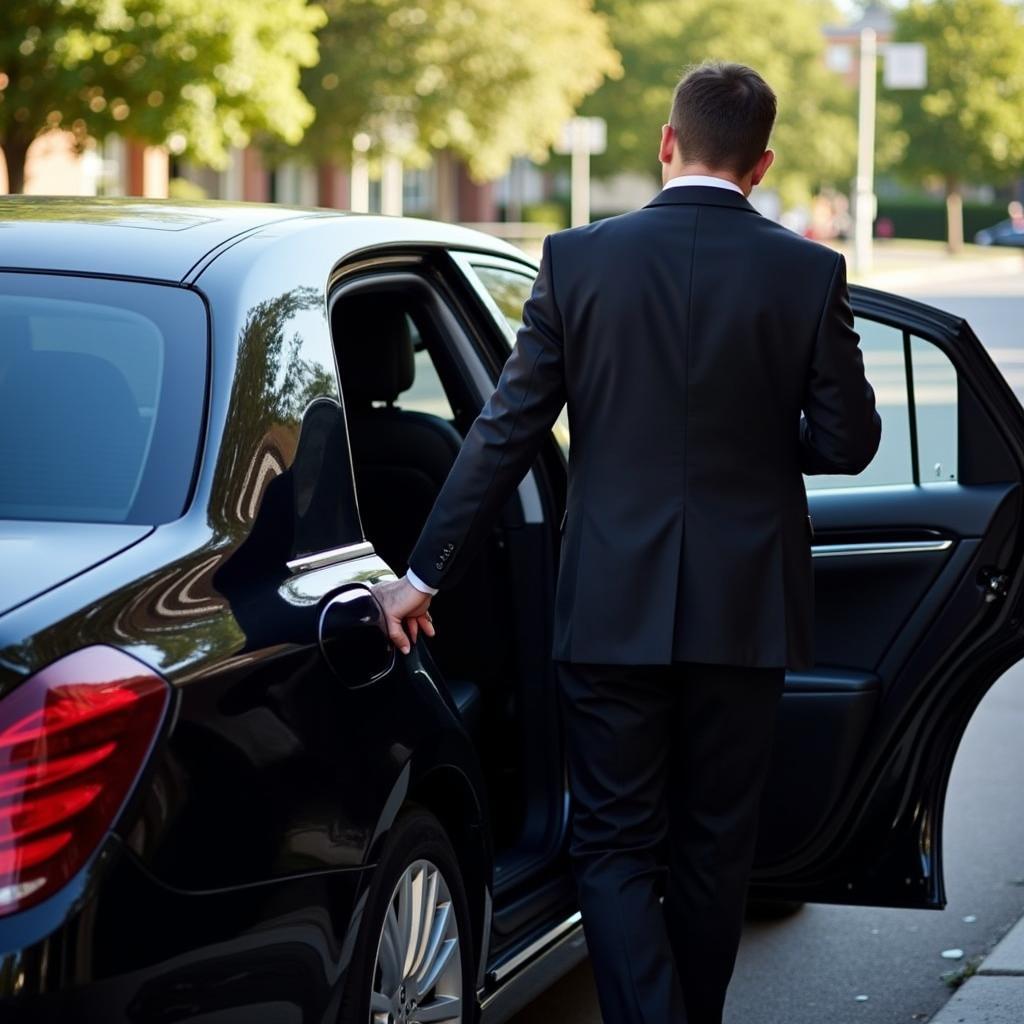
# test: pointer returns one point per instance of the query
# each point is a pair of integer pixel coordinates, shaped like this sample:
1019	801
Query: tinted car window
885	366
935	408
509	289
932	382
102	385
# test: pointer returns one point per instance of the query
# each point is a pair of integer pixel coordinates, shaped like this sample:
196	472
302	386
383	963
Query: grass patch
955	978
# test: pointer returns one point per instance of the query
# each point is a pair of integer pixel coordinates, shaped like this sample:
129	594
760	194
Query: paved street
812	967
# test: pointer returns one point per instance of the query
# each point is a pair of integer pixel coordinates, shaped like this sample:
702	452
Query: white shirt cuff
418	583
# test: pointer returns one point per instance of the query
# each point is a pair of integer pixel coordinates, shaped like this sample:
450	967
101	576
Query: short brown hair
722	115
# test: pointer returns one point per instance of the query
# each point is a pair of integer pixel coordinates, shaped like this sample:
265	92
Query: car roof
160	239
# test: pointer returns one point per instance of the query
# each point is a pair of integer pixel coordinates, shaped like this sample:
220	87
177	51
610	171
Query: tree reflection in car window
510	289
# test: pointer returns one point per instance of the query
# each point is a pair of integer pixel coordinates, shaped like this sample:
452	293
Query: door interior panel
900	573
956	509
861	602
821	726
885	560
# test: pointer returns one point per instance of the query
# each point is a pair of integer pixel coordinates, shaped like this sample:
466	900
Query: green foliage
916	218
554	213
185	190
815	135
202	75
968	124
487	79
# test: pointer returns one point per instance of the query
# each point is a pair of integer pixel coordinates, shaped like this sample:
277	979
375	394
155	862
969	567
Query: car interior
409	399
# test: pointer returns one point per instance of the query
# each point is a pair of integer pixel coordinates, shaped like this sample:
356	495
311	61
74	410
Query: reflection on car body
296	400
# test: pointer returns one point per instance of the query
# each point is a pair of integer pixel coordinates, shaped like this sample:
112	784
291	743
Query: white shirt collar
702	179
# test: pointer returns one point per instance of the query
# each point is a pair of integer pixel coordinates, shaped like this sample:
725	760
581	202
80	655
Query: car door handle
352	639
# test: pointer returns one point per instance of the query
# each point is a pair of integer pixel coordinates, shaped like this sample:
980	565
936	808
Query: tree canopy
967	125
200	75
486	79
815	134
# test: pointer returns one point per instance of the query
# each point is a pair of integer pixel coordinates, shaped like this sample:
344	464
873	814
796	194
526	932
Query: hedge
916	219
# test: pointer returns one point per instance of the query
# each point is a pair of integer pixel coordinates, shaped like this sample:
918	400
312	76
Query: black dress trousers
666	766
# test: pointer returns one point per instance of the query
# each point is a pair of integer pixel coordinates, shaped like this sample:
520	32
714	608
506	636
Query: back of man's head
722	116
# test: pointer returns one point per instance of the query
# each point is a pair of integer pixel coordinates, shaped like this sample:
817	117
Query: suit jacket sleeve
502	442
840	428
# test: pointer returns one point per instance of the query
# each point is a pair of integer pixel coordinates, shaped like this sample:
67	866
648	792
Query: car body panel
146	238
273	776
37	556
171	240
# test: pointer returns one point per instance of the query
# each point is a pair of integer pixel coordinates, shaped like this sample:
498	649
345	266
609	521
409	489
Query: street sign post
582	137
905	66
864	190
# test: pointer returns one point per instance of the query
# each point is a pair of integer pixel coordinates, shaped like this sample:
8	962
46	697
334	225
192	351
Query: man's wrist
418	584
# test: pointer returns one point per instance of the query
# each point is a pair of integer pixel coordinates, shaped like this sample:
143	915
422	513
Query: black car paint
39	556
216	848
218	889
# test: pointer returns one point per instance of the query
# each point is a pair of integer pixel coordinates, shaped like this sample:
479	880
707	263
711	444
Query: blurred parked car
222	795
1006	232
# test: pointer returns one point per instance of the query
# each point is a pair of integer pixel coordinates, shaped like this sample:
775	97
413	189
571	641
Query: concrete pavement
995	994
900	265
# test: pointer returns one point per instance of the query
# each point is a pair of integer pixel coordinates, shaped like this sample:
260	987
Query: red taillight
73	739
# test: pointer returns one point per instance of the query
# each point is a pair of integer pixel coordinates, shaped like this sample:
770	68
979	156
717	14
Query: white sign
583	134
906	66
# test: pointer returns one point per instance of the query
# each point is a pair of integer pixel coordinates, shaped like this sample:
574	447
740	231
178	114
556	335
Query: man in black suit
708	358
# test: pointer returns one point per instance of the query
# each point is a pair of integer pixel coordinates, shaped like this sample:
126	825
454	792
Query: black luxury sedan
223	797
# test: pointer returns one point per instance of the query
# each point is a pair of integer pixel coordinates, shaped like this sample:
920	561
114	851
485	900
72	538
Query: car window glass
101	392
935	408
510	289
885	366
427	393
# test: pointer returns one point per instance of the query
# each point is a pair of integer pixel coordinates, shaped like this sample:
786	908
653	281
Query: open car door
917	569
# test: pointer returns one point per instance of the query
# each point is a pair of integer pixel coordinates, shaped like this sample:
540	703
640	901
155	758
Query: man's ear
761	167
668	144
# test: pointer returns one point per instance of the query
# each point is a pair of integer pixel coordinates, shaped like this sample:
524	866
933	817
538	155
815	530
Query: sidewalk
995	994
903	263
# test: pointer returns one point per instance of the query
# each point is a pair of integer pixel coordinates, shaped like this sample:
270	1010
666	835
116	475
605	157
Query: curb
944	272
995	995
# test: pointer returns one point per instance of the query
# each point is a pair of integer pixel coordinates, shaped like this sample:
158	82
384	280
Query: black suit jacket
707	356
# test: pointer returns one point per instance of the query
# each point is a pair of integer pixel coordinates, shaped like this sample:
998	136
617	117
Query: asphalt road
812	967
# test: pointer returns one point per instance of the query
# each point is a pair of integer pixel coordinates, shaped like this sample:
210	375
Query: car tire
404	962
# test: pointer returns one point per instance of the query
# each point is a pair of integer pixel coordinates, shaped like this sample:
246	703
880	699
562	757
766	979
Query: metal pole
580	173
359	181
391	186
864	196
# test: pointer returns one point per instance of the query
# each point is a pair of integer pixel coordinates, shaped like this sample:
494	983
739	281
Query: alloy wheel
417	975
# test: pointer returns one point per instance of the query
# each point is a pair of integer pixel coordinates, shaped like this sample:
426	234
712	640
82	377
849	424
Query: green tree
486	79
967	125
199	75
815	134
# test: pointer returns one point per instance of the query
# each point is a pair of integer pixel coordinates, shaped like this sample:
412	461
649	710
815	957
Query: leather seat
401	458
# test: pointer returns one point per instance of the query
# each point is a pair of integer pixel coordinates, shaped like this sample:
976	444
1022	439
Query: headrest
375	347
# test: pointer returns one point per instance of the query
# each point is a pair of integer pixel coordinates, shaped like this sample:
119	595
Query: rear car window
102	387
